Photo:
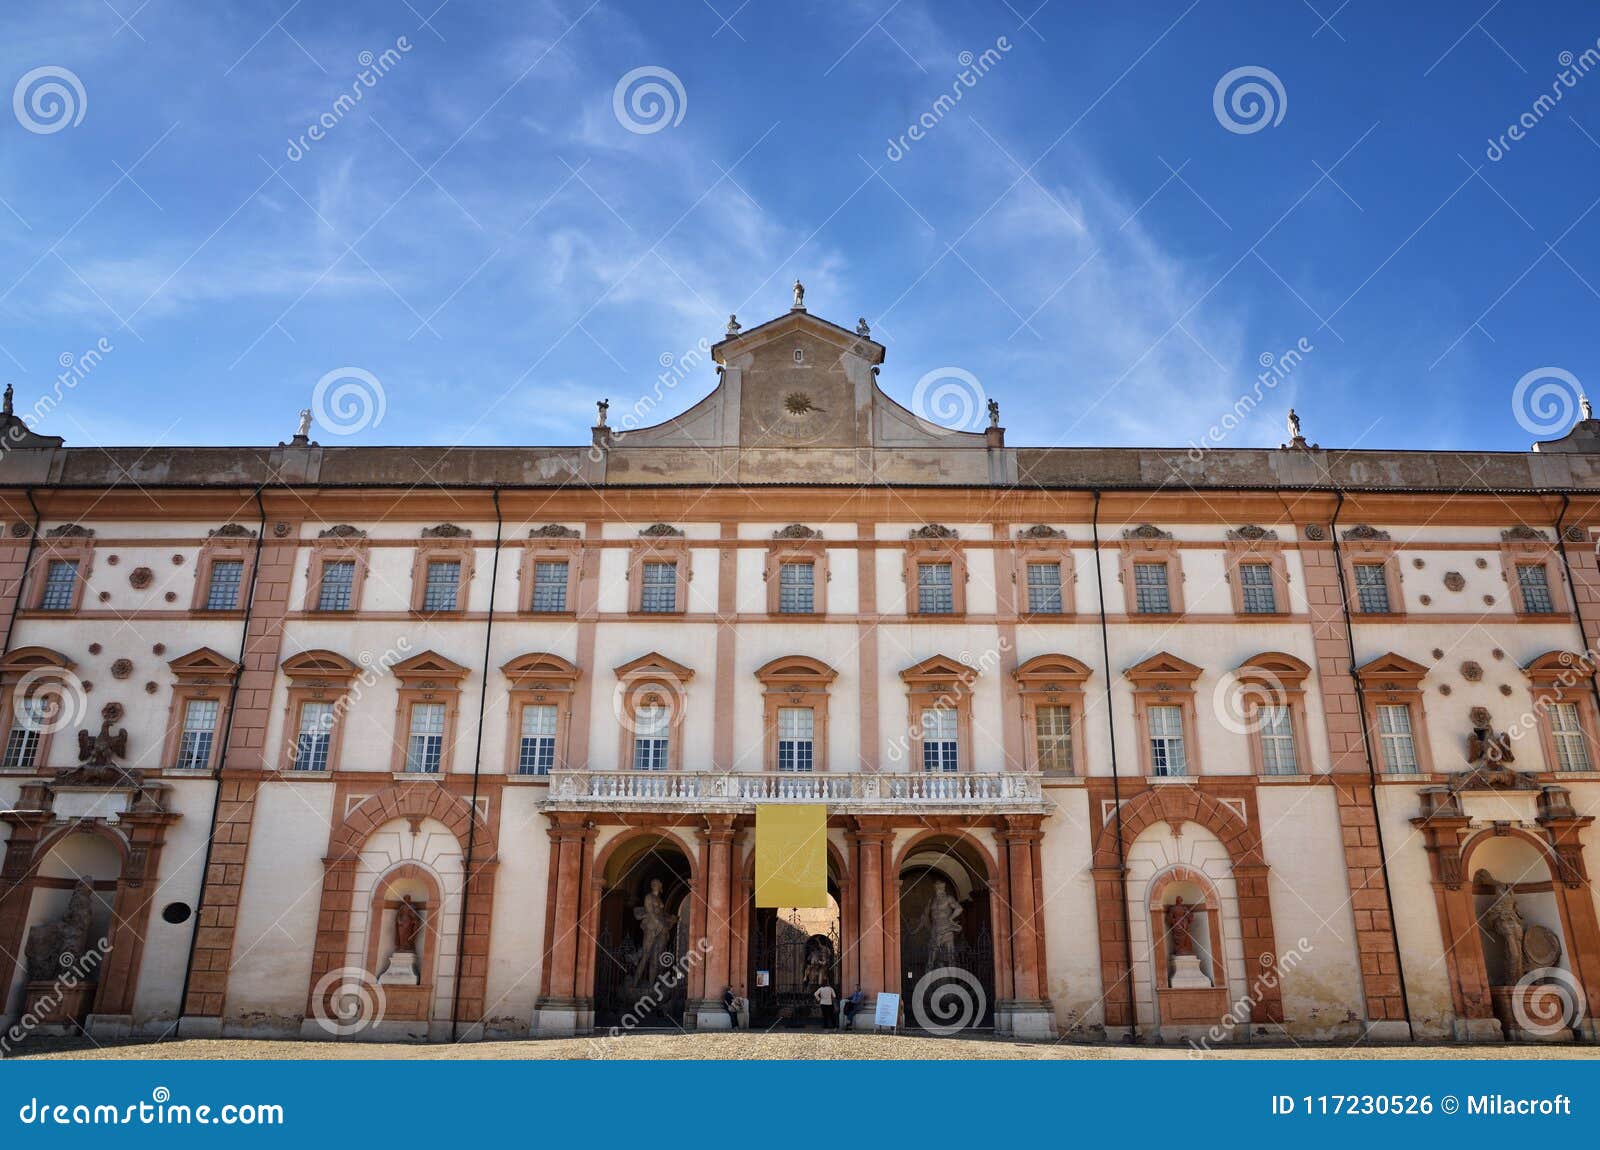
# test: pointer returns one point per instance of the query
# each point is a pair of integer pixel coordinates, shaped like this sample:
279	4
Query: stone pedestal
1514	1005
1187	975
402	970
1031	1020
563	1018
57	1009
710	1014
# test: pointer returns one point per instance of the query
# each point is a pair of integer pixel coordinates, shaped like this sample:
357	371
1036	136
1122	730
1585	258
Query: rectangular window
425	747
1150	594
659	592
797	588
223	593
444	581
338	585
1277	741
939	743
651	738
1572	749
1052	727
536	755
314	738
1167	755
1394	732
550	585
1535	583
199	730
22	745
1044	588
1255	580
935	589
1372	589
796	726
61	577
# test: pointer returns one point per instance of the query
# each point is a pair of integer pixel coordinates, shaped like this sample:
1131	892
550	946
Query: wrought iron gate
953	992
794	964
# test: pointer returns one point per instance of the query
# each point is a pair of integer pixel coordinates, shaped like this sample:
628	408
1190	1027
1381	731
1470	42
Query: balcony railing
741	791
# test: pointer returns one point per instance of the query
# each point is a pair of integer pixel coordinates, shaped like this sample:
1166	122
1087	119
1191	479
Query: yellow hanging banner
791	855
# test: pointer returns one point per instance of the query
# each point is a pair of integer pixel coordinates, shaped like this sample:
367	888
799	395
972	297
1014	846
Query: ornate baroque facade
1212	745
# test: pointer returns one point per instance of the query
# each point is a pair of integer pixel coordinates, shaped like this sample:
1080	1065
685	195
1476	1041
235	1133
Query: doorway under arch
946	937
793	951
642	939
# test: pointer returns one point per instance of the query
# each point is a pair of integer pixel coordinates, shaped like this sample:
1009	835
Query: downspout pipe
1572	592
477	767
27	563
222	759
1372	771
1116	780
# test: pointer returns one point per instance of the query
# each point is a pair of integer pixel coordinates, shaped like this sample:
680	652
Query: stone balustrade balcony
739	791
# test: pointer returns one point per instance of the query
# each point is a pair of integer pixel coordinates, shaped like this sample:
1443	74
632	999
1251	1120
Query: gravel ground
753	1047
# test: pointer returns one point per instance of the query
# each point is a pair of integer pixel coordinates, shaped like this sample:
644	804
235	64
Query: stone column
871	841
558	1011
709	1012
1029	1011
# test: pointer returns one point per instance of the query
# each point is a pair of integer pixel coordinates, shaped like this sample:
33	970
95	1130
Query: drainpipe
1572	593
222	759
477	765
1116	781
1372	772
27	562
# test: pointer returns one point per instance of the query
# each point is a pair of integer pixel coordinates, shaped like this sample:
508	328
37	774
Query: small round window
176	912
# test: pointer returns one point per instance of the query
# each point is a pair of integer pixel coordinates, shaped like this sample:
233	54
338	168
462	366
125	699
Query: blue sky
1081	233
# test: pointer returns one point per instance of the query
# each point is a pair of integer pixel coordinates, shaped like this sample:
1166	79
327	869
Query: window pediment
1163	668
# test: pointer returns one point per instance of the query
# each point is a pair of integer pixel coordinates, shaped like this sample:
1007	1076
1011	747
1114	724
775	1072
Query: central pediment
797	401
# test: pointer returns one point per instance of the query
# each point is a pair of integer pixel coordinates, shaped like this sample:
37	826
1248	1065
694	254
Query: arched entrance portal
946	938
793	951
642	946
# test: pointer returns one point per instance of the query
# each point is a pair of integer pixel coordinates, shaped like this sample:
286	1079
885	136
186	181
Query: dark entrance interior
792	952
642	947
946	958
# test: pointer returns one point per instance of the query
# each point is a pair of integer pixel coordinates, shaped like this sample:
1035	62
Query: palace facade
1221	746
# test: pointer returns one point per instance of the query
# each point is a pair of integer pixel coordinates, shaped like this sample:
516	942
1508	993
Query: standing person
730	1003
830	1010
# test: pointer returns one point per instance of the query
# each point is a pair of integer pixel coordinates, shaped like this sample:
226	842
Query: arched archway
644	945
946	933
791	951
